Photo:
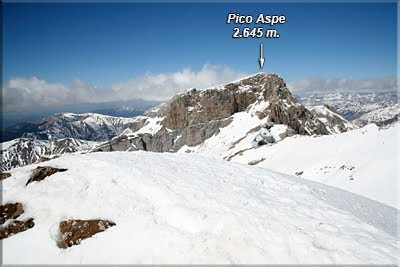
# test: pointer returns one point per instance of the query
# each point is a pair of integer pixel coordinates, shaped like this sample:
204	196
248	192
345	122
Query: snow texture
183	208
362	161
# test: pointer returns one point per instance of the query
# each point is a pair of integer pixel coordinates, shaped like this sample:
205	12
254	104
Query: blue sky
66	54
106	43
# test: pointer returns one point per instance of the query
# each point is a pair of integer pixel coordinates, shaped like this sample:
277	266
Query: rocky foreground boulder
40	173
4	175
9	226
16	227
195	115
74	231
10	211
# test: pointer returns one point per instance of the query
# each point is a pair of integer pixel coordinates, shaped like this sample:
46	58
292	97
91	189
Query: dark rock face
74	231
4	175
200	107
40	173
388	121
298	118
333	121
16	227
10	211
166	140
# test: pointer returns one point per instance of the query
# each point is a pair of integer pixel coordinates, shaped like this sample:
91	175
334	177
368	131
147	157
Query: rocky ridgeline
195	115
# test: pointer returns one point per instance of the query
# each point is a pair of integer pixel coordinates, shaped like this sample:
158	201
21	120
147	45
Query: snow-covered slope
363	161
182	208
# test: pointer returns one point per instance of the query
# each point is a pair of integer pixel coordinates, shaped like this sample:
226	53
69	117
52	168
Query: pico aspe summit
271	20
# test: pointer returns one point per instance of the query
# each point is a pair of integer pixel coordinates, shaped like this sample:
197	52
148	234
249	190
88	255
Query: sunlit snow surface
364	161
183	208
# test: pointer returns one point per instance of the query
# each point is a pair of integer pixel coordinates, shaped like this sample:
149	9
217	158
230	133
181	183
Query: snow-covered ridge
192	209
236	82
381	116
25	151
85	126
352	105
333	121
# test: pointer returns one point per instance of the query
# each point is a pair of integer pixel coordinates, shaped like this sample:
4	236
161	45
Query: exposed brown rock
232	145
255	162
74	231
41	173
43	159
4	175
16	227
10	211
202	106
299	173
240	152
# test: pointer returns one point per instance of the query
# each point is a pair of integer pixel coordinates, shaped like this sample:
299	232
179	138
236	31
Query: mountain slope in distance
86	126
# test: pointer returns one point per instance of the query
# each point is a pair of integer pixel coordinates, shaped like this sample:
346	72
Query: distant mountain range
128	108
87	126
353	106
25	151
122	111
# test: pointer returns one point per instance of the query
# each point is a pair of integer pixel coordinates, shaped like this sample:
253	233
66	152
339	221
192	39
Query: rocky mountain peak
202	106
193	116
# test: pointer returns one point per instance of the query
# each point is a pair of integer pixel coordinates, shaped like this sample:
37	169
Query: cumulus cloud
165	85
25	94
343	84
22	94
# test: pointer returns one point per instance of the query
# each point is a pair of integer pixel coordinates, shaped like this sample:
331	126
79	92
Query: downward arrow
261	60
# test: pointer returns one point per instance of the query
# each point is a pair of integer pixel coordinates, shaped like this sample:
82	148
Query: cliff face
195	115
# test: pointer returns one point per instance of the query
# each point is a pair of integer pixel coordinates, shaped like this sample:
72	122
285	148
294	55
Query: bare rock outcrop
4	175
40	173
10	211
332	120
16	227
74	231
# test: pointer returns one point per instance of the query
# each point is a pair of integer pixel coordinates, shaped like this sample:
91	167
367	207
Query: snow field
182	208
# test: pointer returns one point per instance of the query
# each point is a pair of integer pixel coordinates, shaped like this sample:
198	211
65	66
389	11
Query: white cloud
25	94
165	85
21	94
343	84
